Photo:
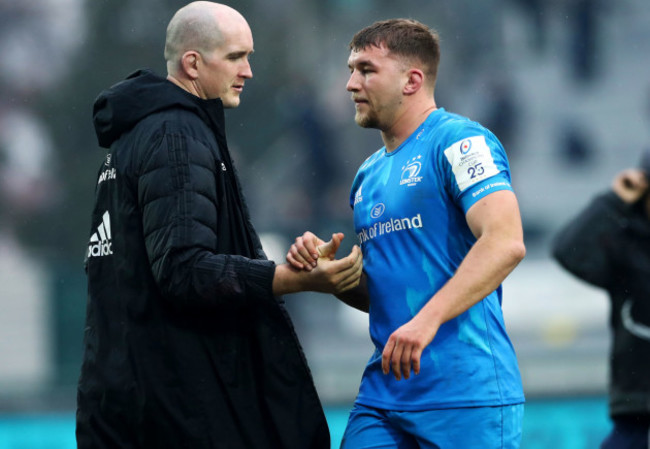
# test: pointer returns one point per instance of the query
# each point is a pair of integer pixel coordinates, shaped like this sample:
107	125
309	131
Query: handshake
311	266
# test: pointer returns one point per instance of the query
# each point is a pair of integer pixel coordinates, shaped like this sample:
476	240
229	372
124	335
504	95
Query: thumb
329	249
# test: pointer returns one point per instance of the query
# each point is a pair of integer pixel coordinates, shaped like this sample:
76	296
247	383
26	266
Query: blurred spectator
584	38
319	172
575	147
583	33
27	187
608	245
537	15
503	112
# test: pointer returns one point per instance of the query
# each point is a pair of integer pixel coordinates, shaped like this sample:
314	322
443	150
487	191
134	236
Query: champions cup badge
465	146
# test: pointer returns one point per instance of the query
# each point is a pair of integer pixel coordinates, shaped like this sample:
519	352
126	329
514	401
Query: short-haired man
440	230
187	344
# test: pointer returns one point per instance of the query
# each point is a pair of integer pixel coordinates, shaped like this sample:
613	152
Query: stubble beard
366	120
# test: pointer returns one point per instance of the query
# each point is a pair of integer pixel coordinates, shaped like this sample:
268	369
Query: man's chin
364	121
230	102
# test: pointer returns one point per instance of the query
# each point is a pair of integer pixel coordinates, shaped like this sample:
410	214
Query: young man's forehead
369	55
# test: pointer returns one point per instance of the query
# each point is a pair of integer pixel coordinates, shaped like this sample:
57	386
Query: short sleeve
478	167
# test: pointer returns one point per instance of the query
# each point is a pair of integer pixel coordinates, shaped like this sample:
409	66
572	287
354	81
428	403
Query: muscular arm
496	223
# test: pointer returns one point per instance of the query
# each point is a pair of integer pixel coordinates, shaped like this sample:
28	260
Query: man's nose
352	85
247	71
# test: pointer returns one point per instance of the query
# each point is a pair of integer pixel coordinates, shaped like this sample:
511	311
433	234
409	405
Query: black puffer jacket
608	245
185	345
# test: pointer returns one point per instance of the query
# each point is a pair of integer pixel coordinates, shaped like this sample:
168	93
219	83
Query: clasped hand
312	254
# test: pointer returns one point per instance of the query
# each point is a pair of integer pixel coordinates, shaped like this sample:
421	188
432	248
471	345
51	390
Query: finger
396	360
291	260
353	280
305	250
329	249
354	257
350	282
387	354
405	361
347	272
415	360
347	264
354	275
298	254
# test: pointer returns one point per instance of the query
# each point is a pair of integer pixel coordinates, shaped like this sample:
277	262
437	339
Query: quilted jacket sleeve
179	205
581	246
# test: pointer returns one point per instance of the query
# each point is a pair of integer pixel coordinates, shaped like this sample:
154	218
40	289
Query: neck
187	85
405	124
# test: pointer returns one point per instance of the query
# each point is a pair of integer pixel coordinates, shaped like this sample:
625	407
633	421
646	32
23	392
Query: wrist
431	314
285	280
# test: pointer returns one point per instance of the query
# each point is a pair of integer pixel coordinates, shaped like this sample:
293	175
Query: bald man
187	343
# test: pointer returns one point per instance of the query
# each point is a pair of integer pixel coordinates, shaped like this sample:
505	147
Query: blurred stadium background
564	83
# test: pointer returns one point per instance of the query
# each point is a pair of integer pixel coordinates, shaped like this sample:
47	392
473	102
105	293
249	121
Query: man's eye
237	57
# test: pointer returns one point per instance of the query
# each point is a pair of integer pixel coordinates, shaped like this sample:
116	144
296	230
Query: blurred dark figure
321	171
608	245
536	12
575	147
584	38
503	113
582	20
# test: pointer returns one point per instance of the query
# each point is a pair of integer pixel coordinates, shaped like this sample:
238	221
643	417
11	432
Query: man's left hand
404	348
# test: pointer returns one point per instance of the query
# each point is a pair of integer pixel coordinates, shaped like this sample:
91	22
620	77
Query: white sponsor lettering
489	186
108	174
388	226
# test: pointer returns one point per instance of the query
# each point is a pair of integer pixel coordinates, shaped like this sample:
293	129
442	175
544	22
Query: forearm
208	280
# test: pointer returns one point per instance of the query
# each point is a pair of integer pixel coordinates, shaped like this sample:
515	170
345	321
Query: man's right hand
330	275
630	185
308	249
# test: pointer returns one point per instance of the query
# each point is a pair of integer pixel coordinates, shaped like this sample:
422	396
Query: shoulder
175	121
373	159
178	128
453	128
173	137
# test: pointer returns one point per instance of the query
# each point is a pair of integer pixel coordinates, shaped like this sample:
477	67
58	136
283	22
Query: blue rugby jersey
409	215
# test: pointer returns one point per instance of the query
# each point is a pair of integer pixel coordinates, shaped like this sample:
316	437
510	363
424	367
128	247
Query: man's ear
414	81
190	64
